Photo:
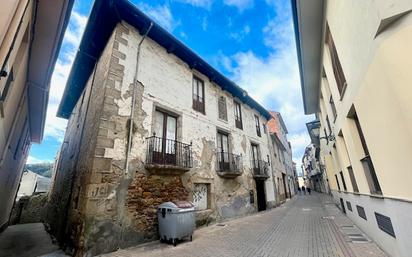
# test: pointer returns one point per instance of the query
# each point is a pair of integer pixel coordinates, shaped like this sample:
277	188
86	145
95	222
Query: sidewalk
307	225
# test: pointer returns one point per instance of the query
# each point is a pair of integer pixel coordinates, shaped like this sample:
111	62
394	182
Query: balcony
260	169
166	156
228	165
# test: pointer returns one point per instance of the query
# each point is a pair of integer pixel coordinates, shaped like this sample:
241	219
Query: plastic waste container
176	221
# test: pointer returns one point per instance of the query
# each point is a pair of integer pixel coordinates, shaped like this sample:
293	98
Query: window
385	224
5	90
353	180
336	65
257	124
332	105
349	205
201	195
238	115
337	181
222	109
361	212
343	181
21	137
329	126
198	95
367	163
164	145
264	128
223	150
255	155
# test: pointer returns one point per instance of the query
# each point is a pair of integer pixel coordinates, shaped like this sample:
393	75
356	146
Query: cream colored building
30	37
355	61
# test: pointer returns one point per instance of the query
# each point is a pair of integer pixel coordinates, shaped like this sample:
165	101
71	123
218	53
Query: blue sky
250	41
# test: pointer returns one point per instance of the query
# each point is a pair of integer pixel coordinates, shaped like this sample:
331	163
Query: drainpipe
129	144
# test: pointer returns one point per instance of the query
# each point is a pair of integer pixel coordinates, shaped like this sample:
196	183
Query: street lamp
314	132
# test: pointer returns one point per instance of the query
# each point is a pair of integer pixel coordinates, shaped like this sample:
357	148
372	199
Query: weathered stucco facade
98	203
282	164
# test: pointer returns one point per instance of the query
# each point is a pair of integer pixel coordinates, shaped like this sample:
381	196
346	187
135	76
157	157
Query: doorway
260	193
223	151
342	205
284	186
165	128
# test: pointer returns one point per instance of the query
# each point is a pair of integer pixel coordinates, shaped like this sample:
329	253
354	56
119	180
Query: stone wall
147	192
107	206
66	206
29	209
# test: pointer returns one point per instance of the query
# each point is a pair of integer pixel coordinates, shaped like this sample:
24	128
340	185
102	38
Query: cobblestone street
307	225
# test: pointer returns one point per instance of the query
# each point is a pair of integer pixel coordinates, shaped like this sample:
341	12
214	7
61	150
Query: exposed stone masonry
109	207
147	192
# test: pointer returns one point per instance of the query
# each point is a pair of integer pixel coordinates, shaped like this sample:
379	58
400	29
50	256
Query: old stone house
150	121
283	173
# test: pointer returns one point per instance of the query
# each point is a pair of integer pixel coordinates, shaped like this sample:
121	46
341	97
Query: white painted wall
377	70
398	211
27	184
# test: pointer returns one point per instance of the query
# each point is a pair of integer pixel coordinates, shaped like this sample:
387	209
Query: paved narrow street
26	240
307	225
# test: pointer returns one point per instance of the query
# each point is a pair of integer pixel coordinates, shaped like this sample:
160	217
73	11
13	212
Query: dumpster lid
183	204
176	205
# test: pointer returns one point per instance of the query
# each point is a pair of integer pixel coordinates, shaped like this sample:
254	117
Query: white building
32	183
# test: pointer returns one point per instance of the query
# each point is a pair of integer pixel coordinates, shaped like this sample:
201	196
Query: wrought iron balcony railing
228	165
167	153
260	169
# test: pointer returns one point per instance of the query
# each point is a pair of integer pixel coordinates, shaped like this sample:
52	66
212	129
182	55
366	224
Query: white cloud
198	3
240	35
299	141
204	23
241	5
75	28
183	35
162	15
274	80
55	127
34	160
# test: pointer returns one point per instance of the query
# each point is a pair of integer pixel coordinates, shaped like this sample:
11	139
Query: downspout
131	124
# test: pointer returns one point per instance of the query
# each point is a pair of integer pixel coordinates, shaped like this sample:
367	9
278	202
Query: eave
308	20
102	21
51	20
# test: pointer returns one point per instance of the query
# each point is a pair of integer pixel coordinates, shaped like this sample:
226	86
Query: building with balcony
314	169
149	122
354	59
283	173
31	33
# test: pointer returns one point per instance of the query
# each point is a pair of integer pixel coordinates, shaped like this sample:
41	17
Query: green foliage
43	169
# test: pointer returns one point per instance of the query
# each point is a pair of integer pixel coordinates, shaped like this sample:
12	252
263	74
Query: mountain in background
43	169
